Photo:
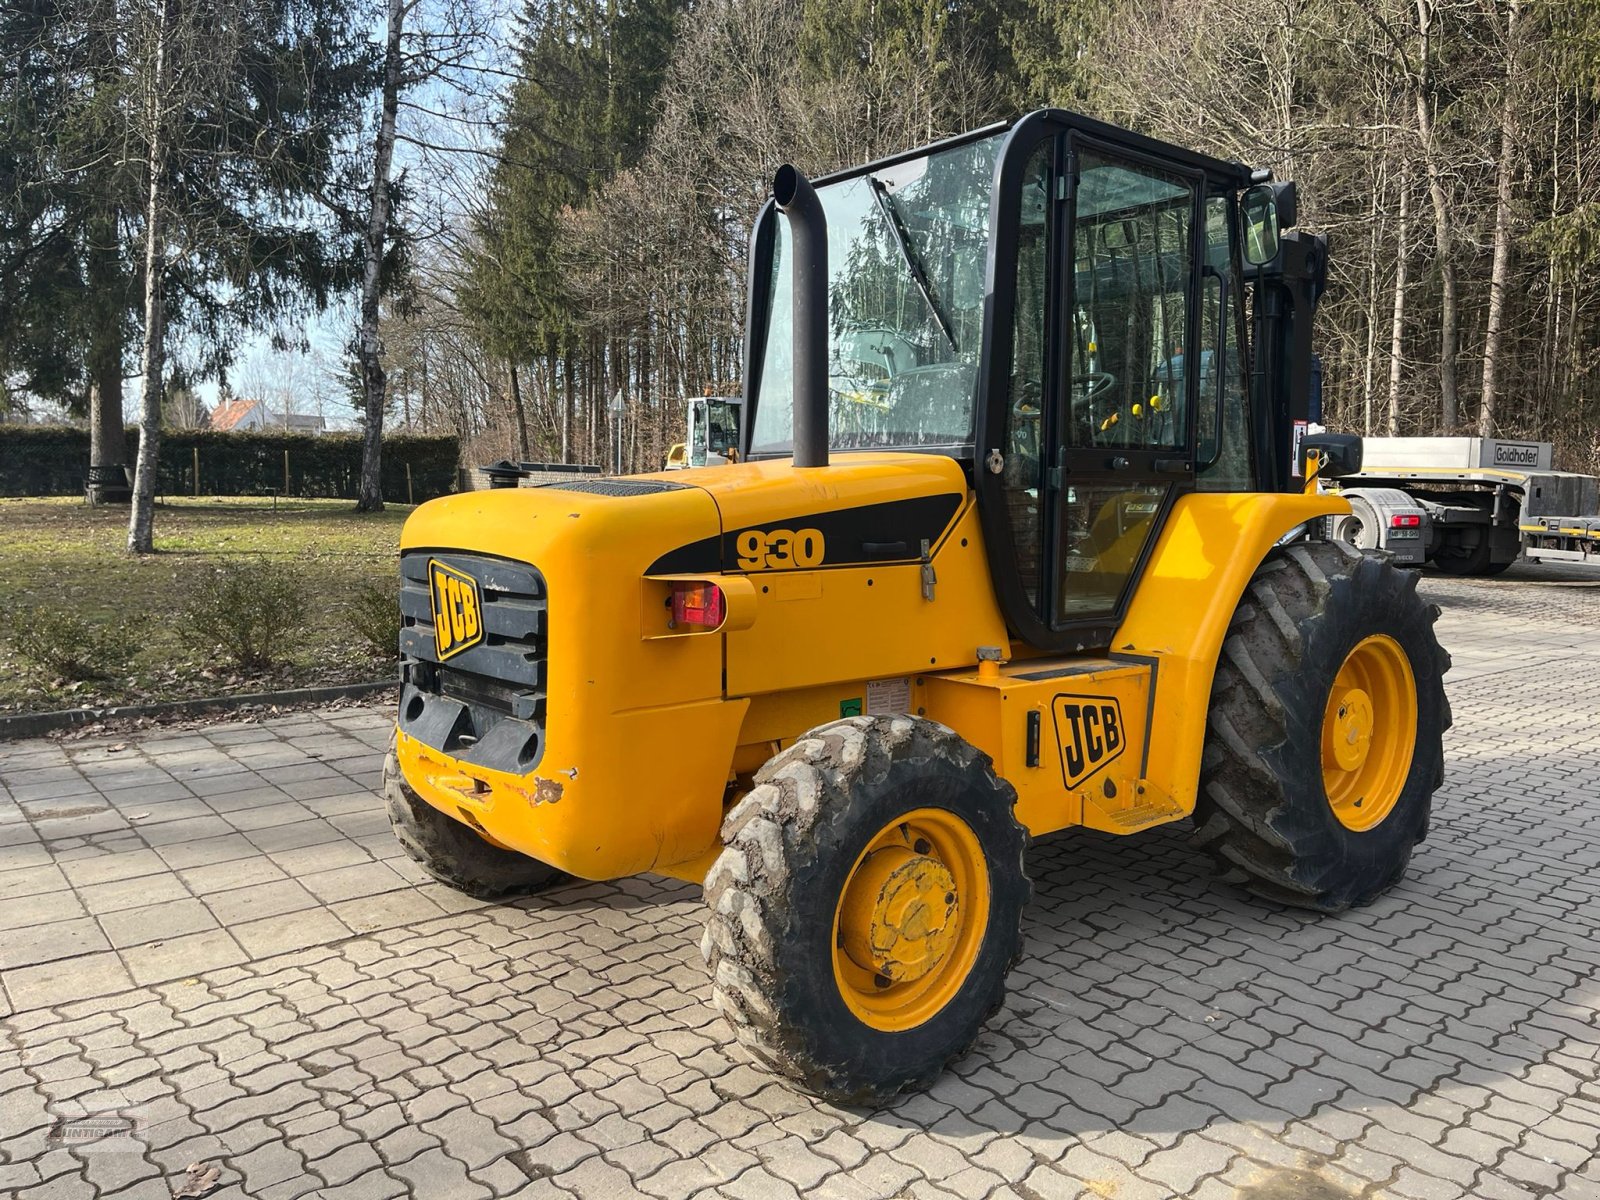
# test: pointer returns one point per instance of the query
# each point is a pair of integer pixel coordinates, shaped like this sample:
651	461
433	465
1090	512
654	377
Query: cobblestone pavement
211	934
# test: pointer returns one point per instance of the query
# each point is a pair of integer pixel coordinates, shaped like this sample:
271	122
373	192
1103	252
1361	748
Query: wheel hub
1369	732
1348	736
901	914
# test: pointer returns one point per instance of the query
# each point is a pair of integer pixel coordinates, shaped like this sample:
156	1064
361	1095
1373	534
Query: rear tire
452	852
1360	528
883	810
1453	560
1265	811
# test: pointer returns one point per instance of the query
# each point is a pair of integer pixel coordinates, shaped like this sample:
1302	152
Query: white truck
1470	506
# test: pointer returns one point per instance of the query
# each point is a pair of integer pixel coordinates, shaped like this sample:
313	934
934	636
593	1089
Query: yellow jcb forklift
1021	538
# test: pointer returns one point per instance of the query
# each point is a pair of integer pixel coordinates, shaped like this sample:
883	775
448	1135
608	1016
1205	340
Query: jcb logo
779	549
457	610
1090	733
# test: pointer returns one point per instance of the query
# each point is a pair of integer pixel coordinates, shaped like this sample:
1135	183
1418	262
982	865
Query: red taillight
699	605
1404	521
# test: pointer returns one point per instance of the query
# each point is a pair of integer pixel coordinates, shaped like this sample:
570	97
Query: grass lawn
58	552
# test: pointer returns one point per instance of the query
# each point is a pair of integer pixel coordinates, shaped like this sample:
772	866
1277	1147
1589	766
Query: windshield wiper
918	275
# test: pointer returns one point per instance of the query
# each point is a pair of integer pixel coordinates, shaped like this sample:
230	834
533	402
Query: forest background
572	186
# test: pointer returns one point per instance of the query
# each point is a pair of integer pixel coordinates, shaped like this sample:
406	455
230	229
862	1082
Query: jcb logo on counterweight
1090	734
457	610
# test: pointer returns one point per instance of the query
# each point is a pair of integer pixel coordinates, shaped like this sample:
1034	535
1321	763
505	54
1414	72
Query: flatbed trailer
1470	506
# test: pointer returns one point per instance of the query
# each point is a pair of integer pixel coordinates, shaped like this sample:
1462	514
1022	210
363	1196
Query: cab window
1223	419
1132	259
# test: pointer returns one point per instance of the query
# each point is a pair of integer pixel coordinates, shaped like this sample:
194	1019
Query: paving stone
595	1177
470	1137
231	875
435	1173
369	914
183	957
278	839
39	909
102	898
66	980
156	922
180	855
237	789
345	883
264	816
105	868
48	942
236	906
186	829
32	881
291	931
1164	1036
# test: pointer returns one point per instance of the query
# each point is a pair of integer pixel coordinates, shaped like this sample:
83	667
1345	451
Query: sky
458	122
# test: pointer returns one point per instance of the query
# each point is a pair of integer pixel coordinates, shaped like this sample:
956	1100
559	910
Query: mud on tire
451	852
790	847
1263	811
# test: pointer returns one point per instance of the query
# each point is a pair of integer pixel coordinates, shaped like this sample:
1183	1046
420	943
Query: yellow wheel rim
1369	732
910	920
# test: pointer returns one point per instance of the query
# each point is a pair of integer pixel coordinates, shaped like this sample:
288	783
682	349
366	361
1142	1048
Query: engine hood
862	508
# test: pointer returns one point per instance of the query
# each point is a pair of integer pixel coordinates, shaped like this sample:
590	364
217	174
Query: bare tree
237	126
1500	272
1397	335
158	104
434	49
1422	95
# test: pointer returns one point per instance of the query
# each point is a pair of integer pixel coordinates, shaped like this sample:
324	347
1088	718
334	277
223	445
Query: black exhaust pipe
808	229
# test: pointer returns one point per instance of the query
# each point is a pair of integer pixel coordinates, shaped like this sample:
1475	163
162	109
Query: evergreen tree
580	112
256	184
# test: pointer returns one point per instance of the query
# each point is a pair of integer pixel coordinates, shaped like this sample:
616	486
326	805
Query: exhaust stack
808	227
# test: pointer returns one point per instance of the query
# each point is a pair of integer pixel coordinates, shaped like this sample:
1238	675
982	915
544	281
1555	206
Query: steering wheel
1094	383
1029	400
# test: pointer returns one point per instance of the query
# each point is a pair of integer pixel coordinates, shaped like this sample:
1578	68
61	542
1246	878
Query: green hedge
40	460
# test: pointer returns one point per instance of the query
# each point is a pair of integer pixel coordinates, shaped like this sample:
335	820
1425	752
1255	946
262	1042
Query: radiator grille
485	704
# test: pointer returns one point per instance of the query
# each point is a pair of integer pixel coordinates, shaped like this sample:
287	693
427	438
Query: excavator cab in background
1023	535
713	433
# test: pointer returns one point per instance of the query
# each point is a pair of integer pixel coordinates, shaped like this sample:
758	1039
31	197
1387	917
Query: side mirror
1340	453
1258	211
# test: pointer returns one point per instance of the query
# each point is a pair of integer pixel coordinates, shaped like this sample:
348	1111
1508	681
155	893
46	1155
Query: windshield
906	251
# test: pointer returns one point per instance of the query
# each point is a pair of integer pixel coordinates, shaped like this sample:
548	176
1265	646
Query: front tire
1324	742
867	906
451	852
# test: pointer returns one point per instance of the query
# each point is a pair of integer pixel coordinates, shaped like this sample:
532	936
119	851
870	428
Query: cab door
1090	429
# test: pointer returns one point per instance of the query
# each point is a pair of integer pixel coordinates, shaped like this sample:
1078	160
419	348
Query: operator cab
713	430
1057	304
